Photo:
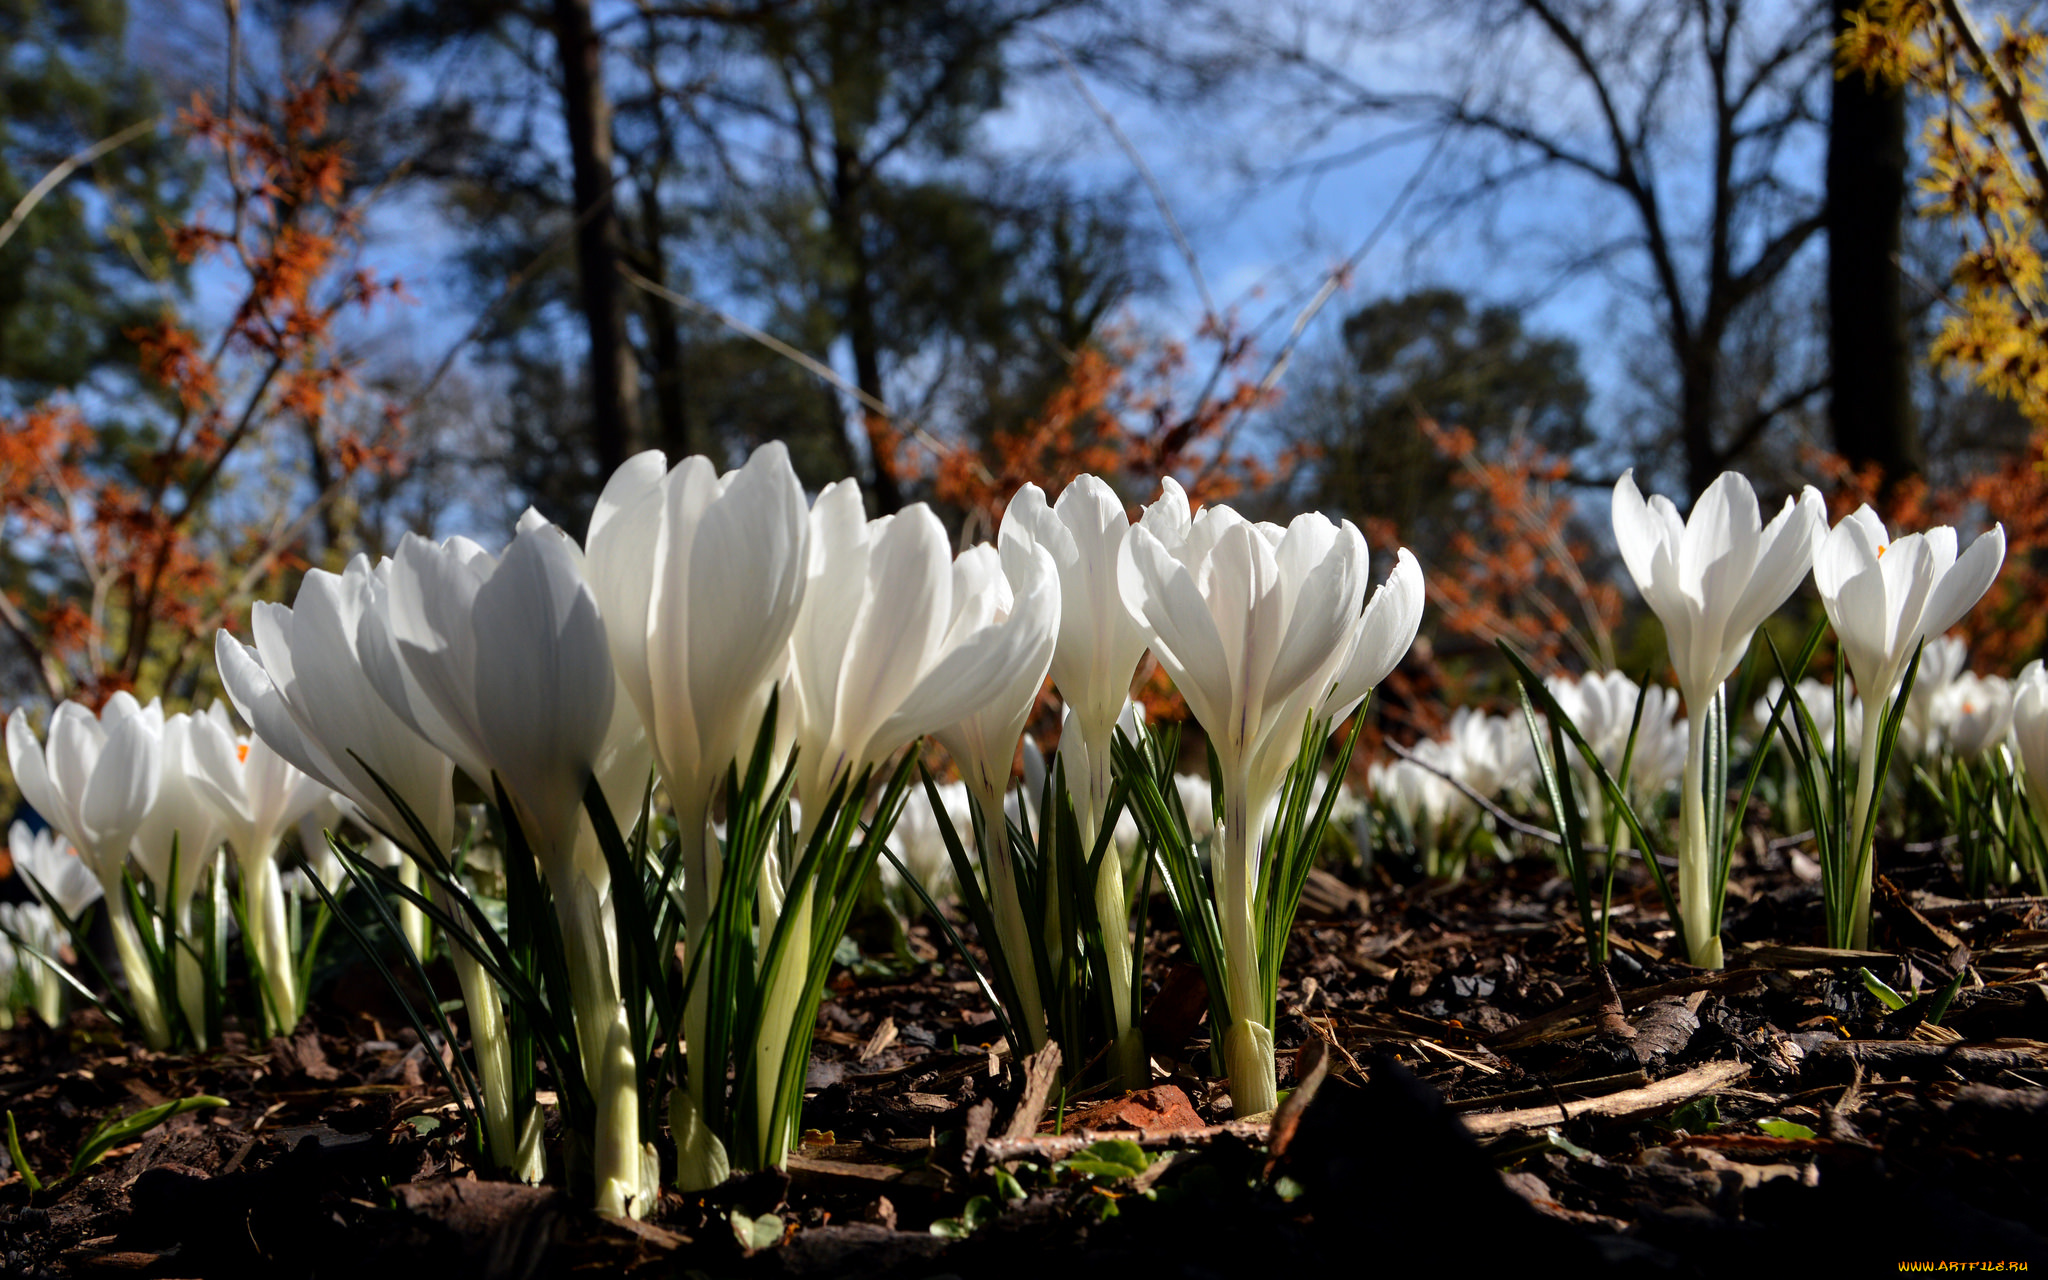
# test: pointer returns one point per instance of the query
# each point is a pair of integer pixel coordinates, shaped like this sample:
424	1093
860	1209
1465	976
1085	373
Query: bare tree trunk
664	338
586	112
1699	395
863	336
1871	409
664	320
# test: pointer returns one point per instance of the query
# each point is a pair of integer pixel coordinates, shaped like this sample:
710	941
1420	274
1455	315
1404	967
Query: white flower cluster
31	939
133	787
655	645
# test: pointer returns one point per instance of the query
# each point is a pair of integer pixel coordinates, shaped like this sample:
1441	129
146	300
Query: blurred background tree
824	162
91	262
1430	355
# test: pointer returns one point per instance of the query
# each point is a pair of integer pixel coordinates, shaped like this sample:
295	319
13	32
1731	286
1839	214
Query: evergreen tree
1430	354
82	265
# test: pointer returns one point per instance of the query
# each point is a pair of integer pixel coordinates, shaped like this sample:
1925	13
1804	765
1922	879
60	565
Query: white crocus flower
1018	588
1488	753
1197	802
183	823
506	669
1943	661
1417	797
1885	596
920	846
1819	701
1255	625
1100	645
95	783
1711	579
321	862
509	673
1974	713
1660	747
303	688
47	858
885	649
258	795
699	576
2030	733
1603	707
890	644
38	931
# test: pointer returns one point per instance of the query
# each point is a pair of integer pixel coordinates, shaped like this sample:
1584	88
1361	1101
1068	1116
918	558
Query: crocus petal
905	617
621	550
1718	554
1159	590
1965	583
1636	531
995	674
542	681
1167	518
124	783
25	760
1784	551
1326	567
747	570
1386	633
249	687
432	604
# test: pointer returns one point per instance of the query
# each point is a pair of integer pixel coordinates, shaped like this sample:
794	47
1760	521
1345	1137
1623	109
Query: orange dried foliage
130	532
1517	572
1116	415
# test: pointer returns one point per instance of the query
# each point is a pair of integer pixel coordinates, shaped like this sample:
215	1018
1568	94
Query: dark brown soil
1470	1109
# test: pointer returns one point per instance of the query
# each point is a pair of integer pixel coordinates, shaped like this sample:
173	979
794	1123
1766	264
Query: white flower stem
699	893
493	1046
786	982
149	1010
412	919
268	940
604	1039
1248	1042
1695	859
48	996
616	1087
1128	1066
191	980
1013	949
1863	860
701	1160
786	987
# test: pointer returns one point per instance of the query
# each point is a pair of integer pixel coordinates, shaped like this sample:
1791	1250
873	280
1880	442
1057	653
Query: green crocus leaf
1788	1129
1110	1158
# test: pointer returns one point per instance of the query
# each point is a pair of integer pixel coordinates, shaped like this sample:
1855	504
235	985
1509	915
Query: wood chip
1287	1118
1660	1095
1808	958
1454	1055
1916	1057
1049	1146
1594	1087
884	1036
1041	1074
